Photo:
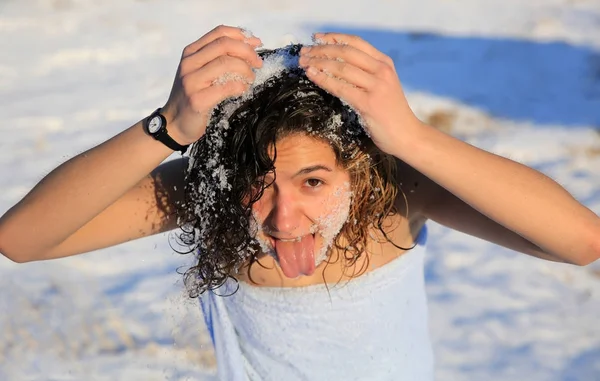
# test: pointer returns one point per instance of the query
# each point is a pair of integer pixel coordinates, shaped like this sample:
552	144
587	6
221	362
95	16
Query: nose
284	217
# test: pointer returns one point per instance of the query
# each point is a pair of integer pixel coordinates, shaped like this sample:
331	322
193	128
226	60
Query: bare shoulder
416	191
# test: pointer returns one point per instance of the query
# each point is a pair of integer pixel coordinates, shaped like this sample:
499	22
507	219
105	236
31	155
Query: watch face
154	124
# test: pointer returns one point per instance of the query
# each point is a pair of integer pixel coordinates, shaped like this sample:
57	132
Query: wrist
408	138
156	125
175	133
173	127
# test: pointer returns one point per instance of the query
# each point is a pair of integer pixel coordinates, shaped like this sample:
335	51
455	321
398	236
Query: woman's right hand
215	67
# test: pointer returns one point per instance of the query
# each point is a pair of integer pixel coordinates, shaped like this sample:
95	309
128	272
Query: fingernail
305	50
311	70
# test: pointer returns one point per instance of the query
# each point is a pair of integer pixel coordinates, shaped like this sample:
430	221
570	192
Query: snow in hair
227	166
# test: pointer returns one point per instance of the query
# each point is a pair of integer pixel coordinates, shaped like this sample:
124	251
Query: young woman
305	199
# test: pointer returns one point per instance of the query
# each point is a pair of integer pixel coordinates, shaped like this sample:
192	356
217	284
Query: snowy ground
518	78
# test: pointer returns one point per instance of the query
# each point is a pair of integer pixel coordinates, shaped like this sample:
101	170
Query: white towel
374	327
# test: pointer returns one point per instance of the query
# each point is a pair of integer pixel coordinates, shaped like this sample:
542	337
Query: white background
76	72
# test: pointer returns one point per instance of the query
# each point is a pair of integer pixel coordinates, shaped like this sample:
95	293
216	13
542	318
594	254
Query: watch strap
162	135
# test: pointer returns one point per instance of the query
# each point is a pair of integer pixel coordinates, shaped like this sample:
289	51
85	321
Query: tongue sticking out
296	257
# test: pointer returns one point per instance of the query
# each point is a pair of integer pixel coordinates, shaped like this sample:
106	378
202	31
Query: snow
517	78
272	67
336	212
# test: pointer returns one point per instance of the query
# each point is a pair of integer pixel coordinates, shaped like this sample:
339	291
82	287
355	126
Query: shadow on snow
541	82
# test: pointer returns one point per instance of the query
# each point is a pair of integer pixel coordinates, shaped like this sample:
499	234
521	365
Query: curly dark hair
227	169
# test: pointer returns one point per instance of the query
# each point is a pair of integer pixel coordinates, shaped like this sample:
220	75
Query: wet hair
227	169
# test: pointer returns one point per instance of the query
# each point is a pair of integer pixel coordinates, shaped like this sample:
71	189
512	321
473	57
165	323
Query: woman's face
306	206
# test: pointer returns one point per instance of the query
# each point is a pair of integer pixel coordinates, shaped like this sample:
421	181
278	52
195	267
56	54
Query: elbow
15	256
591	257
15	259
592	254
587	260
12	256
9	251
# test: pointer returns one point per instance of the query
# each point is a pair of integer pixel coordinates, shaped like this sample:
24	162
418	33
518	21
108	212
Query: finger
220	47
345	91
341	70
221	31
355	41
218	70
347	53
209	97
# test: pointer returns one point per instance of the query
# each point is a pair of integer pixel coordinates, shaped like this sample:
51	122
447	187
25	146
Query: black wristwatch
156	126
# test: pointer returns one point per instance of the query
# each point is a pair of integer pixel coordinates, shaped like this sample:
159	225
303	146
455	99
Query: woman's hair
227	169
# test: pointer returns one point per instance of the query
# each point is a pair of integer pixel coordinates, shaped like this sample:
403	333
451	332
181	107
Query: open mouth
297	239
272	239
295	256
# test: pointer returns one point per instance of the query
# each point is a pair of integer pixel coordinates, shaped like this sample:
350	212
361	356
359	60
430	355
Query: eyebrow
312	168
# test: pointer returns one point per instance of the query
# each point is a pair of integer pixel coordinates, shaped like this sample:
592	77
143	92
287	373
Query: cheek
331	220
258	217
334	212
256	230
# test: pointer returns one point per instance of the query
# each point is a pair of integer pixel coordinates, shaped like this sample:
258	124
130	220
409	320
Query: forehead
298	150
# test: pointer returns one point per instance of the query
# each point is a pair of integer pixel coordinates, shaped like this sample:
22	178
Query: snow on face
331	223
328	225
257	227
321	211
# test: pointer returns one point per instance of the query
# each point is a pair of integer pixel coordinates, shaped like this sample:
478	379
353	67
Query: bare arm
83	204
501	200
428	200
108	194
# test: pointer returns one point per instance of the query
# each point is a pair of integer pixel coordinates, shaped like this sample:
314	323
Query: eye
313	183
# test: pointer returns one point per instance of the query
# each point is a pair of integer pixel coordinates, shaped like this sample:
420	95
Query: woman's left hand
354	71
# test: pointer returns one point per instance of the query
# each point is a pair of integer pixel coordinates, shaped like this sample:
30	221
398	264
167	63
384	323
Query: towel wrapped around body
374	327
